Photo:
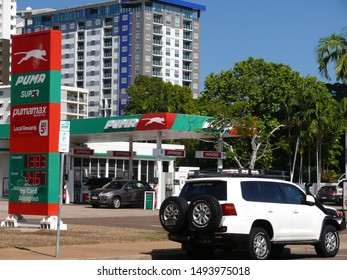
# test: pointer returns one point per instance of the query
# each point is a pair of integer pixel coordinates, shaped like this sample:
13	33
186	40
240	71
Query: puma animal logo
36	54
155	120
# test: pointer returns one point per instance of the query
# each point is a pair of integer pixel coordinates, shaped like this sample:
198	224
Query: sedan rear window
218	189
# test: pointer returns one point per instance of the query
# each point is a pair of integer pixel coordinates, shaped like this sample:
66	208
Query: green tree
254	91
153	95
283	105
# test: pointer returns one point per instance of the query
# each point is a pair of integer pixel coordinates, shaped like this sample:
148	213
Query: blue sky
277	30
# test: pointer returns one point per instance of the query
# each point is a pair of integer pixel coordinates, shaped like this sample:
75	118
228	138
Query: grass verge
75	235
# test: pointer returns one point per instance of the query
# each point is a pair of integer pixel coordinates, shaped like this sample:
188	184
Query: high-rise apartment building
106	45
7	28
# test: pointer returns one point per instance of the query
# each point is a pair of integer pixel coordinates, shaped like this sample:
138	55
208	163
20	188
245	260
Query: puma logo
155	120
36	54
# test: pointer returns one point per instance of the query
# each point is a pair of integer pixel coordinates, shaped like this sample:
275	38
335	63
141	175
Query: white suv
251	212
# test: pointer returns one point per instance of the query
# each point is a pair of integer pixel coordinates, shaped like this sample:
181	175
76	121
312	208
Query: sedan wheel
116	203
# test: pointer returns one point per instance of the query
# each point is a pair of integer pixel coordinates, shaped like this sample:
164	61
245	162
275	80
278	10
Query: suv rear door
265	199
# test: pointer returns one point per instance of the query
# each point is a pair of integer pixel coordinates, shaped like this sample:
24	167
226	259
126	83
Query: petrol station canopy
140	127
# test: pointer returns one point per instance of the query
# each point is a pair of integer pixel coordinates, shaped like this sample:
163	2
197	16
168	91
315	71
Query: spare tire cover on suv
204	213
172	213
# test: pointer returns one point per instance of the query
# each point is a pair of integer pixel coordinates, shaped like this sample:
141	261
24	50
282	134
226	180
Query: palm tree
333	49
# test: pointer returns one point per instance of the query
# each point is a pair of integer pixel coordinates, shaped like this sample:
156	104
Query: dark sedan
329	194
118	193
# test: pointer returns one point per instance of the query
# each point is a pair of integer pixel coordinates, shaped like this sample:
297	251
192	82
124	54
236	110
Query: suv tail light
229	209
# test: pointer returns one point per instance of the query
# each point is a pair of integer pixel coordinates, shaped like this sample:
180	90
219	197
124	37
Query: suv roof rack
238	172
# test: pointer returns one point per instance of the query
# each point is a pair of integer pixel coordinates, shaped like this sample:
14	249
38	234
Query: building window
177	22
177	32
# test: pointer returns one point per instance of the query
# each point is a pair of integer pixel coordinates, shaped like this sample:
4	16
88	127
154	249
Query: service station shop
116	147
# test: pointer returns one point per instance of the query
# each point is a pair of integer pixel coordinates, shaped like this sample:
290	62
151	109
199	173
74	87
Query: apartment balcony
188	37
107	85
157	42
108	34
187	47
188	57
157	53
157	63
187	67
157	74
108	23
158	21
157	31
187	77
187	26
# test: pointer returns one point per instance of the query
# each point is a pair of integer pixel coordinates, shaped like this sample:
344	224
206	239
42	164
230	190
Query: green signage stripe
5	131
189	122
102	125
36	87
35	177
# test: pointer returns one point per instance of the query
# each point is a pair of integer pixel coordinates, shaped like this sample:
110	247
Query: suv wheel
116	203
172	213
329	244
204	213
259	244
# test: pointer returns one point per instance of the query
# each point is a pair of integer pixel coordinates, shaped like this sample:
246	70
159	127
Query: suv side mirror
310	200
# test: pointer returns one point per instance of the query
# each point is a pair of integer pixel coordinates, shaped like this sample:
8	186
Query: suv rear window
273	192
218	189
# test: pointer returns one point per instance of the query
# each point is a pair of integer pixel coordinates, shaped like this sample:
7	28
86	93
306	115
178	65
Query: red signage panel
210	154
83	152
175	153
126	154
157	121
34	128
38	51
